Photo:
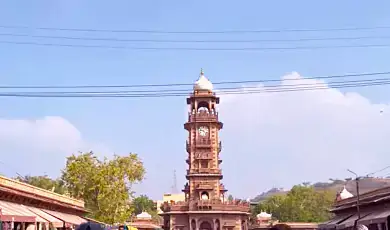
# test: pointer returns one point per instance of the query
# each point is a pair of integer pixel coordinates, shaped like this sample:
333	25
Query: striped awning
57	223
17	212
67	218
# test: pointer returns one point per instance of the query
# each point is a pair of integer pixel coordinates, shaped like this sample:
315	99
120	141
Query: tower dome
144	215
264	215
344	194
203	84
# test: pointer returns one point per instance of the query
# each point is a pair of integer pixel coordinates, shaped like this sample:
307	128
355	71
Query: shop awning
375	217
17	212
350	222
57	223
67	218
333	222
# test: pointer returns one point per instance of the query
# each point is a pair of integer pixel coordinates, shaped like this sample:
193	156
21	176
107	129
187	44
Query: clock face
203	130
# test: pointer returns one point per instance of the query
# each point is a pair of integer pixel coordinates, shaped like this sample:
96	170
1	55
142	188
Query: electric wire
159	95
366	74
194	48
219	90
195	32
112	39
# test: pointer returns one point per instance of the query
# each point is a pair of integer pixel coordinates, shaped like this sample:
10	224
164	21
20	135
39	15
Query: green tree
144	204
105	186
45	182
230	197
301	204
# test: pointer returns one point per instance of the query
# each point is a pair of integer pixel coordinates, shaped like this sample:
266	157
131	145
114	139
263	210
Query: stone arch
193	224
203	106
204	195
205	225
217	224
243	225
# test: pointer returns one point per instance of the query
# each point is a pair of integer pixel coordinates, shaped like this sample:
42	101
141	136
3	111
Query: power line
292	89
197	49
191	84
193	41
219	90
195	32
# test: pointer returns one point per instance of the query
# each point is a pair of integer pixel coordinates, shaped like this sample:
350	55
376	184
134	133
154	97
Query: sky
269	140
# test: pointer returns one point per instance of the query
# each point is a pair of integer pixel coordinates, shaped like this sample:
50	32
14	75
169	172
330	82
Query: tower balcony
206	205
204	171
202	117
202	143
180	206
203	156
218	205
205	186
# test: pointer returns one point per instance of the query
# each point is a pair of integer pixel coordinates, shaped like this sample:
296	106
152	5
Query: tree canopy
104	185
144	204
44	182
301	204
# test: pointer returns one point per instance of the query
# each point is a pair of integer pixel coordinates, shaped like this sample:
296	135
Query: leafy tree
301	204
44	182
105	186
144	204
230	197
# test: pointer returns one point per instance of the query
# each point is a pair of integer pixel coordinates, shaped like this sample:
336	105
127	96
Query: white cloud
37	146
280	139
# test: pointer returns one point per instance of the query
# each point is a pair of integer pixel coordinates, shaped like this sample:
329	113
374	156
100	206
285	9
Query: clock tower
205	206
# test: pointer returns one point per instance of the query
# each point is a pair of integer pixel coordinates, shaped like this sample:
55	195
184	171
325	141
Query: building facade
205	206
373	212
23	206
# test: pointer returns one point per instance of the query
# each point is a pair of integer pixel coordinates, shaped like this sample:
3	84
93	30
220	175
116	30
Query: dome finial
203	84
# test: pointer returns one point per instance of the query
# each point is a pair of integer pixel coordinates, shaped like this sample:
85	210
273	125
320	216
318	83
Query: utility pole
357	178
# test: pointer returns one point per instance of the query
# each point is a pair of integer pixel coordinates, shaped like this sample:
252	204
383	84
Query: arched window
204	196
203	106
205	225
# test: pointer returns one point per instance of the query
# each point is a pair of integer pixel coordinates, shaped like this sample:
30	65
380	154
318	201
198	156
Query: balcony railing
205	143
202	116
217	205
205	185
204	171
203	156
202	205
175	206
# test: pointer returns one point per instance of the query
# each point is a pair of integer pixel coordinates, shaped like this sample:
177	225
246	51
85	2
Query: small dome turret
203	84
144	215
264	215
345	194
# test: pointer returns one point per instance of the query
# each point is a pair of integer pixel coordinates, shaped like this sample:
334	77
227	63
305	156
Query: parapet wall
27	188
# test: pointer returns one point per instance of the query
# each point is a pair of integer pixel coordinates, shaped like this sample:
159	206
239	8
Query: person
90	226
280	227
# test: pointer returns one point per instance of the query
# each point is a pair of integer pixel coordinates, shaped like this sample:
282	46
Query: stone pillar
197	223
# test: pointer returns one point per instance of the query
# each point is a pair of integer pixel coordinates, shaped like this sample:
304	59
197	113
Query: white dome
264	215
345	194
203	83
144	215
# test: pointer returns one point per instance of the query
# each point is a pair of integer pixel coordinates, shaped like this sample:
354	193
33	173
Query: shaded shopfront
374	210
25	207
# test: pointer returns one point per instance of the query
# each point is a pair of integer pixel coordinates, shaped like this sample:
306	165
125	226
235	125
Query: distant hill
366	184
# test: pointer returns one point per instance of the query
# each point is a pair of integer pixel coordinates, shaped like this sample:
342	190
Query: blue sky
153	128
